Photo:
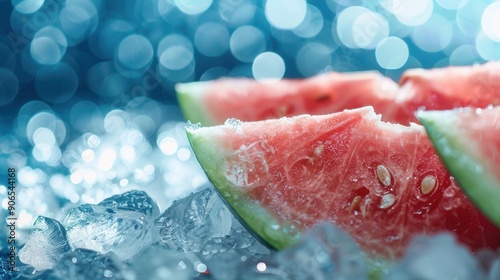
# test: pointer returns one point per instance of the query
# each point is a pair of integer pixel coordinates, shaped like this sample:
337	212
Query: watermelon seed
355	203
281	111
387	201
383	175
428	184
323	97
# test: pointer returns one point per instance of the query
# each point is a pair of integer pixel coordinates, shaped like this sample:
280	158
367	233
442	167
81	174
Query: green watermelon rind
190	98
256	218
464	163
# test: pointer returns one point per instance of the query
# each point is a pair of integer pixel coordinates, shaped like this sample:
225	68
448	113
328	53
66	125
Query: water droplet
449	192
192	126
108	273
428	184
232	122
383	175
387	201
319	150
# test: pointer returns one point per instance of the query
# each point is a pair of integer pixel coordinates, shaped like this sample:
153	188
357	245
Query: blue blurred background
87	97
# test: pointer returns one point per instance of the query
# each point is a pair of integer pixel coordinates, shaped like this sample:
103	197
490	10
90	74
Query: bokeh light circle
487	48
27	6
56	83
464	55
392	53
468	17
214	73
452	4
490	21
135	52
110	32
191	7
9	86
410	12
285	16
48	46
268	67
176	57
78	19
358	27
48	120
434	35
312	23
247	42
212	39
236	12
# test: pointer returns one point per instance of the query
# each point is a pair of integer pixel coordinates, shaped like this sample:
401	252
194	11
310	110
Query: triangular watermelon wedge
382	183
212	102
468	141
215	101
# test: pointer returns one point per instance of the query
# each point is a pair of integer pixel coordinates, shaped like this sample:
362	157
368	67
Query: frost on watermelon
468	141
382	183
248	100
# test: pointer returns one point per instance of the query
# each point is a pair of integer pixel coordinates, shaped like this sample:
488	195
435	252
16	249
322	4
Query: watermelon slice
380	182
468	141
248	100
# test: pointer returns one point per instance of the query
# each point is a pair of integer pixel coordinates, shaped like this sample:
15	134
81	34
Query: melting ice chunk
104	229
138	201
46	244
226	257
81	264
190	222
436	257
158	263
325	252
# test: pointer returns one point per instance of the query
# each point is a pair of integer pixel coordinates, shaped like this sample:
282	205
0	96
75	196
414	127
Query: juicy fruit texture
468	142
382	183
248	100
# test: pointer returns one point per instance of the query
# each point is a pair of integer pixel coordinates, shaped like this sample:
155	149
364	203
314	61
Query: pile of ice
197	237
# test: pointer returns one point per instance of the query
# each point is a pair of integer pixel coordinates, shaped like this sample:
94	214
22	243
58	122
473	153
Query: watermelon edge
466	167
190	98
256	219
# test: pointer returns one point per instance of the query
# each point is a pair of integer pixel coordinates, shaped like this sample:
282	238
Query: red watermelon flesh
249	100
382	183
447	88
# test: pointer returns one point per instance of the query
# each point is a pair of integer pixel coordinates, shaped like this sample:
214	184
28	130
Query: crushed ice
200	238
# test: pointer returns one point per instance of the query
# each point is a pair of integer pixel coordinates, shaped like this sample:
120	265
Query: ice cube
490	262
190	222
46	244
227	256
324	252
245	240
83	264
104	229
434	258
158	262
494	271
134	200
